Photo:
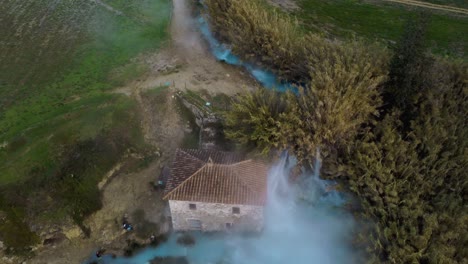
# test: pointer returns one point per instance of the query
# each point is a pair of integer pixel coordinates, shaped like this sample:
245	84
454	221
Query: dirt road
446	8
187	63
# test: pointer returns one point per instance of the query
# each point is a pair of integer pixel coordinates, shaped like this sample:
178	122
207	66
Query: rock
7	260
54	239
73	232
188	128
3	145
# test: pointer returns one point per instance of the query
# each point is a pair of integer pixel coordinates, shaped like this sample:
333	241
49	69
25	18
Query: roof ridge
240	162
183	150
182	183
230	165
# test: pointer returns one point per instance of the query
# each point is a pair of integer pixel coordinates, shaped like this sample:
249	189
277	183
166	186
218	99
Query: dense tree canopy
397	140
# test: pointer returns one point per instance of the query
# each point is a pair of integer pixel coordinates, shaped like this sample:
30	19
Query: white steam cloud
304	224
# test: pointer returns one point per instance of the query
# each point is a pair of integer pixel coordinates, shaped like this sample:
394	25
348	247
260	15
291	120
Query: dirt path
446	8
187	63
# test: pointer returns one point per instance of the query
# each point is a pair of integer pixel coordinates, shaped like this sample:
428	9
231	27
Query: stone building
211	190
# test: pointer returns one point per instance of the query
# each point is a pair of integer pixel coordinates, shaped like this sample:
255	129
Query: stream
222	53
304	223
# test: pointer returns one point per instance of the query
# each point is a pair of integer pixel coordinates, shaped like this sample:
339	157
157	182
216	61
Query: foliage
342	96
340	82
276	40
14	231
409	66
408	171
257	119
269	37
414	183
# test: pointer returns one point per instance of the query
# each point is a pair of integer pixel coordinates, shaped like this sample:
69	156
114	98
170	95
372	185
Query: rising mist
304	224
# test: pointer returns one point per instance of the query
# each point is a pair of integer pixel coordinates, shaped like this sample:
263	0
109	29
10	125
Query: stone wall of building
215	217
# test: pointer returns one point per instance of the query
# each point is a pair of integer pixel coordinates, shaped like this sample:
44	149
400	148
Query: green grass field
61	128
56	72
447	35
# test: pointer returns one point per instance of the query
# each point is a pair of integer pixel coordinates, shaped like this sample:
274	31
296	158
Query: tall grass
277	41
339	80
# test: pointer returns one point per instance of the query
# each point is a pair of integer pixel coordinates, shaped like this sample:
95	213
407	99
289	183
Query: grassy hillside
383	22
60	128
56	62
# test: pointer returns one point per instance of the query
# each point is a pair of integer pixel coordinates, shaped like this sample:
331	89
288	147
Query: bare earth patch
186	64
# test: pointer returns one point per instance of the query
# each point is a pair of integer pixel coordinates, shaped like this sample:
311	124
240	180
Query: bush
14	232
261	34
404	158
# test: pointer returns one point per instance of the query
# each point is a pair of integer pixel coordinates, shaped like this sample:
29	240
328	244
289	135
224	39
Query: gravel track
446	8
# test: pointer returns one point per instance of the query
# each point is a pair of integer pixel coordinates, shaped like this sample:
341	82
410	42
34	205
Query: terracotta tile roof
188	161
223	179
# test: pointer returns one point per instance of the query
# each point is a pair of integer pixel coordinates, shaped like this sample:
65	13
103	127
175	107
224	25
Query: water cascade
304	224
221	52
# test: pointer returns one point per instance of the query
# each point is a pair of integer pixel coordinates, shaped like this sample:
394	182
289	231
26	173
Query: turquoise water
303	225
304	222
221	52
208	248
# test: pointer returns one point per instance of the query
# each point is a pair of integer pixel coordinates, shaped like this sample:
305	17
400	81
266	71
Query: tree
403	154
327	113
413	184
409	65
260	120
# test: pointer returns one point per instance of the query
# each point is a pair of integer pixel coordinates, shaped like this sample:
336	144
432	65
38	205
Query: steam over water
267	78
303	224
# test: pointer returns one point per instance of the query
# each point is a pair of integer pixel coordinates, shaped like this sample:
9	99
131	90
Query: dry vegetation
391	129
